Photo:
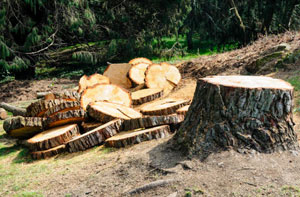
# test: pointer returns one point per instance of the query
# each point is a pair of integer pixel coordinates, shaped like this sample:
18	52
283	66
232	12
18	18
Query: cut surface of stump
127	138
137	73
183	110
53	137
38	108
151	121
146	95
94	137
48	153
62	118
163	107
239	112
117	74
140	60
23	127
3	114
92	80
163	76
104	111
110	93
63	107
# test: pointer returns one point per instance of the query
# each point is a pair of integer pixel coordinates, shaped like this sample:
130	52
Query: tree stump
239	112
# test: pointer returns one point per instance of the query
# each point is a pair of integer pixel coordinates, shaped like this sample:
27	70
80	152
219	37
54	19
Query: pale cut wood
44	154
16	111
63	107
23	127
3	114
172	73
62	118
92	80
140	60
146	95
111	93
163	107
151	121
104	111
94	137
127	138
53	137
38	108
183	110
117	74
88	126
137	73
41	95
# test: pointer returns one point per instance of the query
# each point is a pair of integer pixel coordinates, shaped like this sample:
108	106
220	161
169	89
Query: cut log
110	93
104	111
53	137
41	95
62	118
183	110
239	112
137	73
164	107
146	95
68	96
16	111
92	80
38	108
151	121
140	60
127	138
3	114
48	153
49	96
63	107
162	76
117	74
23	127
88	126
94	137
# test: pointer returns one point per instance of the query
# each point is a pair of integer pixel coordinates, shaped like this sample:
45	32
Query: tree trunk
239	112
16	111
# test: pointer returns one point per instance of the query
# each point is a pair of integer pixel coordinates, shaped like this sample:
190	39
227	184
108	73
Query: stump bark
239	112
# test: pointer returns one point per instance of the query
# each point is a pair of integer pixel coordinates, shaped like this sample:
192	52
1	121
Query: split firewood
164	107
53	137
110	92
63	107
23	127
3	114
117	74
16	111
104	111
127	138
183	110
146	95
151	121
94	137
140	60
162	76
94	79
48	153
137	73
88	126
62	118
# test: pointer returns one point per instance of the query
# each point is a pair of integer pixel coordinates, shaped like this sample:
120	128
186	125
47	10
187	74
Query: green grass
295	81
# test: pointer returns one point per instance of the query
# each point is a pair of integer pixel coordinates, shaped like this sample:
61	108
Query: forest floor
103	171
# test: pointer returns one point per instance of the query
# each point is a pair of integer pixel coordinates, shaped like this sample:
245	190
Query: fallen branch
151	185
16	111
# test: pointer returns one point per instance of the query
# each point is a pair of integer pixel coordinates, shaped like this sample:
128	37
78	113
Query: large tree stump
239	112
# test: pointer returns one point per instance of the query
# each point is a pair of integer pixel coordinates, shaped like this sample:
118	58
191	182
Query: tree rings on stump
48	153
239	112
92	80
110	93
137	73
94	137
104	111
117	74
140	60
146	95
126	138
164	107
53	137
151	121
23	127
183	110
62	118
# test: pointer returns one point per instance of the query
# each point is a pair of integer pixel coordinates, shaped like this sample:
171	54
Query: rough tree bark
239	112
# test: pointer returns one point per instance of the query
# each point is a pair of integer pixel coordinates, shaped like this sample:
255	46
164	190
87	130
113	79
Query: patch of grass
295	81
290	191
29	194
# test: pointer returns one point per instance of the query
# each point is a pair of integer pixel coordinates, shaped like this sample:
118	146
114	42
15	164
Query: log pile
104	110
